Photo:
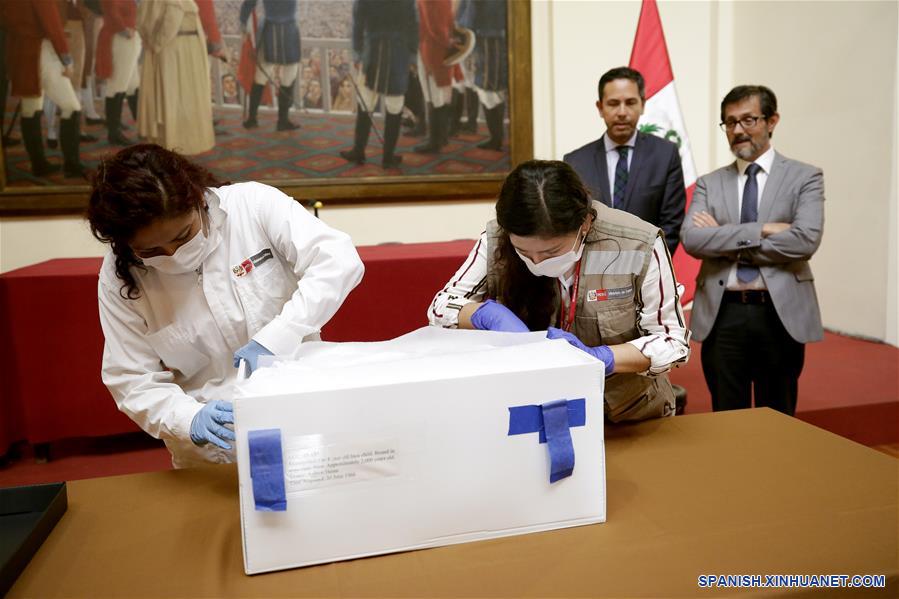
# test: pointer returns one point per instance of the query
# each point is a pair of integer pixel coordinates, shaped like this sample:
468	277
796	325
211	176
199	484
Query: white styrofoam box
404	444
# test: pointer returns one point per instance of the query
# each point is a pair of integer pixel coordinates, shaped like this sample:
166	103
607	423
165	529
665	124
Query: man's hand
769	229
704	219
221	54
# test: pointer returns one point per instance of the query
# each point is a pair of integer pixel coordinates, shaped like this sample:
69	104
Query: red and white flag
662	116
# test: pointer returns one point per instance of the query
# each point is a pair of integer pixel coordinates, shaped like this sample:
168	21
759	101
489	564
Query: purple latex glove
492	316
600	352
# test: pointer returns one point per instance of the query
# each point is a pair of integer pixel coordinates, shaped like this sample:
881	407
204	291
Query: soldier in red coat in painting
118	50
38	61
435	29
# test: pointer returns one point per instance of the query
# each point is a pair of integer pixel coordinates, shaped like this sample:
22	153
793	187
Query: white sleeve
666	339
134	373
324	260
469	284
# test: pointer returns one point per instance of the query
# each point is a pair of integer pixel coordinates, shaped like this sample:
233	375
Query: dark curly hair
540	198
133	188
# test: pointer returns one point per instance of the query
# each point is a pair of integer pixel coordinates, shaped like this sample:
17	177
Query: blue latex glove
207	425
492	316
600	352
250	352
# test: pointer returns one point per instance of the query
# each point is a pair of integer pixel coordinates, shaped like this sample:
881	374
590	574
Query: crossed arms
757	243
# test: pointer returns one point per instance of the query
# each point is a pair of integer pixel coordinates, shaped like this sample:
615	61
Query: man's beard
745	152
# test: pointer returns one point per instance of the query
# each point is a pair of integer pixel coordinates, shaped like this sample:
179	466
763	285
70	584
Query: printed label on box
313	461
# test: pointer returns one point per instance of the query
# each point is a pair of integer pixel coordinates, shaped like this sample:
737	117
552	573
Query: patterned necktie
749	213
620	177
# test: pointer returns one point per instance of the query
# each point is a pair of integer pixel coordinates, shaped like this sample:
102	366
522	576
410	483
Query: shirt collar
611	146
765	161
215	211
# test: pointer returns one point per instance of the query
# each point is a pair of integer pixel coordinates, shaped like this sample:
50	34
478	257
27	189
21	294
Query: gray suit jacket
794	193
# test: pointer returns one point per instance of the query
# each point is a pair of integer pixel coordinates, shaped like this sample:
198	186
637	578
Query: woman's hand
250	354
493	316
603	353
208	426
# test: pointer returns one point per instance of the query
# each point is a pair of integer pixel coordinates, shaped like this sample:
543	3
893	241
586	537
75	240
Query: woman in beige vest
597	277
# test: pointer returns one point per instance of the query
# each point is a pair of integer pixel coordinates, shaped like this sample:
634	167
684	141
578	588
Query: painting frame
72	199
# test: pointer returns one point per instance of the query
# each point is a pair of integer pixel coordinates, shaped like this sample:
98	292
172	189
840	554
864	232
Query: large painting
337	100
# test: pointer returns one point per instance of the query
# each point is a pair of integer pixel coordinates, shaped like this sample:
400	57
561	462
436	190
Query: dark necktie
620	177
749	213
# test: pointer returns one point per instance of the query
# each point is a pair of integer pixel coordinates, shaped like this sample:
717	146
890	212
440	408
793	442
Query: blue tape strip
558	437
529	419
552	421
267	470
525	419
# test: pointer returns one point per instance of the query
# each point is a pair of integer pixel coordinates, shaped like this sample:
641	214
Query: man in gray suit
755	224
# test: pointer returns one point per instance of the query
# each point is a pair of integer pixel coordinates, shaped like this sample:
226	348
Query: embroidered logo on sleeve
601	295
252	262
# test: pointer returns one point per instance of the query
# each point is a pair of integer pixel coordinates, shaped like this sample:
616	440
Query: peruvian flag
662	117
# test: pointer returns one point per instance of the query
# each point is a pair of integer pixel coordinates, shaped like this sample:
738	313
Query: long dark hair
540	198
133	188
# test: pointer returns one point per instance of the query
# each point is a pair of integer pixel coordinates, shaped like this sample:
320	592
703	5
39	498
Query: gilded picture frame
373	186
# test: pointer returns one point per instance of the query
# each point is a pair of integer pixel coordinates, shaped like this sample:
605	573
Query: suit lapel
772	187
640	149
601	172
731	199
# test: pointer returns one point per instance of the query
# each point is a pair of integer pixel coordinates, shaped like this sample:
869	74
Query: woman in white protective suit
202	275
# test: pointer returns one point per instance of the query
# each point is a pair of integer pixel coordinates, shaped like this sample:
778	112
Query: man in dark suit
755	224
627	169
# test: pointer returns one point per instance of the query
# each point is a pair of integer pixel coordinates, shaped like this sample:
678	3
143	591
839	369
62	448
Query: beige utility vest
616	257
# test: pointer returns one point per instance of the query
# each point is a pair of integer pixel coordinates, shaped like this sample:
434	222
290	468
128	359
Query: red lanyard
572	304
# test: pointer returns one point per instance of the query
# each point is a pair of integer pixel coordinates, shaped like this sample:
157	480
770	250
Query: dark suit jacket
655	188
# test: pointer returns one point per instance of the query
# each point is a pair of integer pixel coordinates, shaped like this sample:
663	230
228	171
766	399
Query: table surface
744	492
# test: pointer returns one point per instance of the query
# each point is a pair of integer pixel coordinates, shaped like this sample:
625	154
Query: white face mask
556	266
186	258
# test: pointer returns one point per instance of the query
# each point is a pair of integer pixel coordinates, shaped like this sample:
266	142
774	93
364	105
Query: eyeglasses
747	122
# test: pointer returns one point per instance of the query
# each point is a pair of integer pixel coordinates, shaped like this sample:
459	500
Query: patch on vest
601	295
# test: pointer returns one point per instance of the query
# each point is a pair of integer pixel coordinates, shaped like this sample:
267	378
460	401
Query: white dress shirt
612	157
765	161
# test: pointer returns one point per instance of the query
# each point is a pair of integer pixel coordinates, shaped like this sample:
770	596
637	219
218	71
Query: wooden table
745	492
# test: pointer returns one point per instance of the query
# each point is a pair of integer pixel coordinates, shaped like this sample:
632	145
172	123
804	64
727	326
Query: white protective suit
274	273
